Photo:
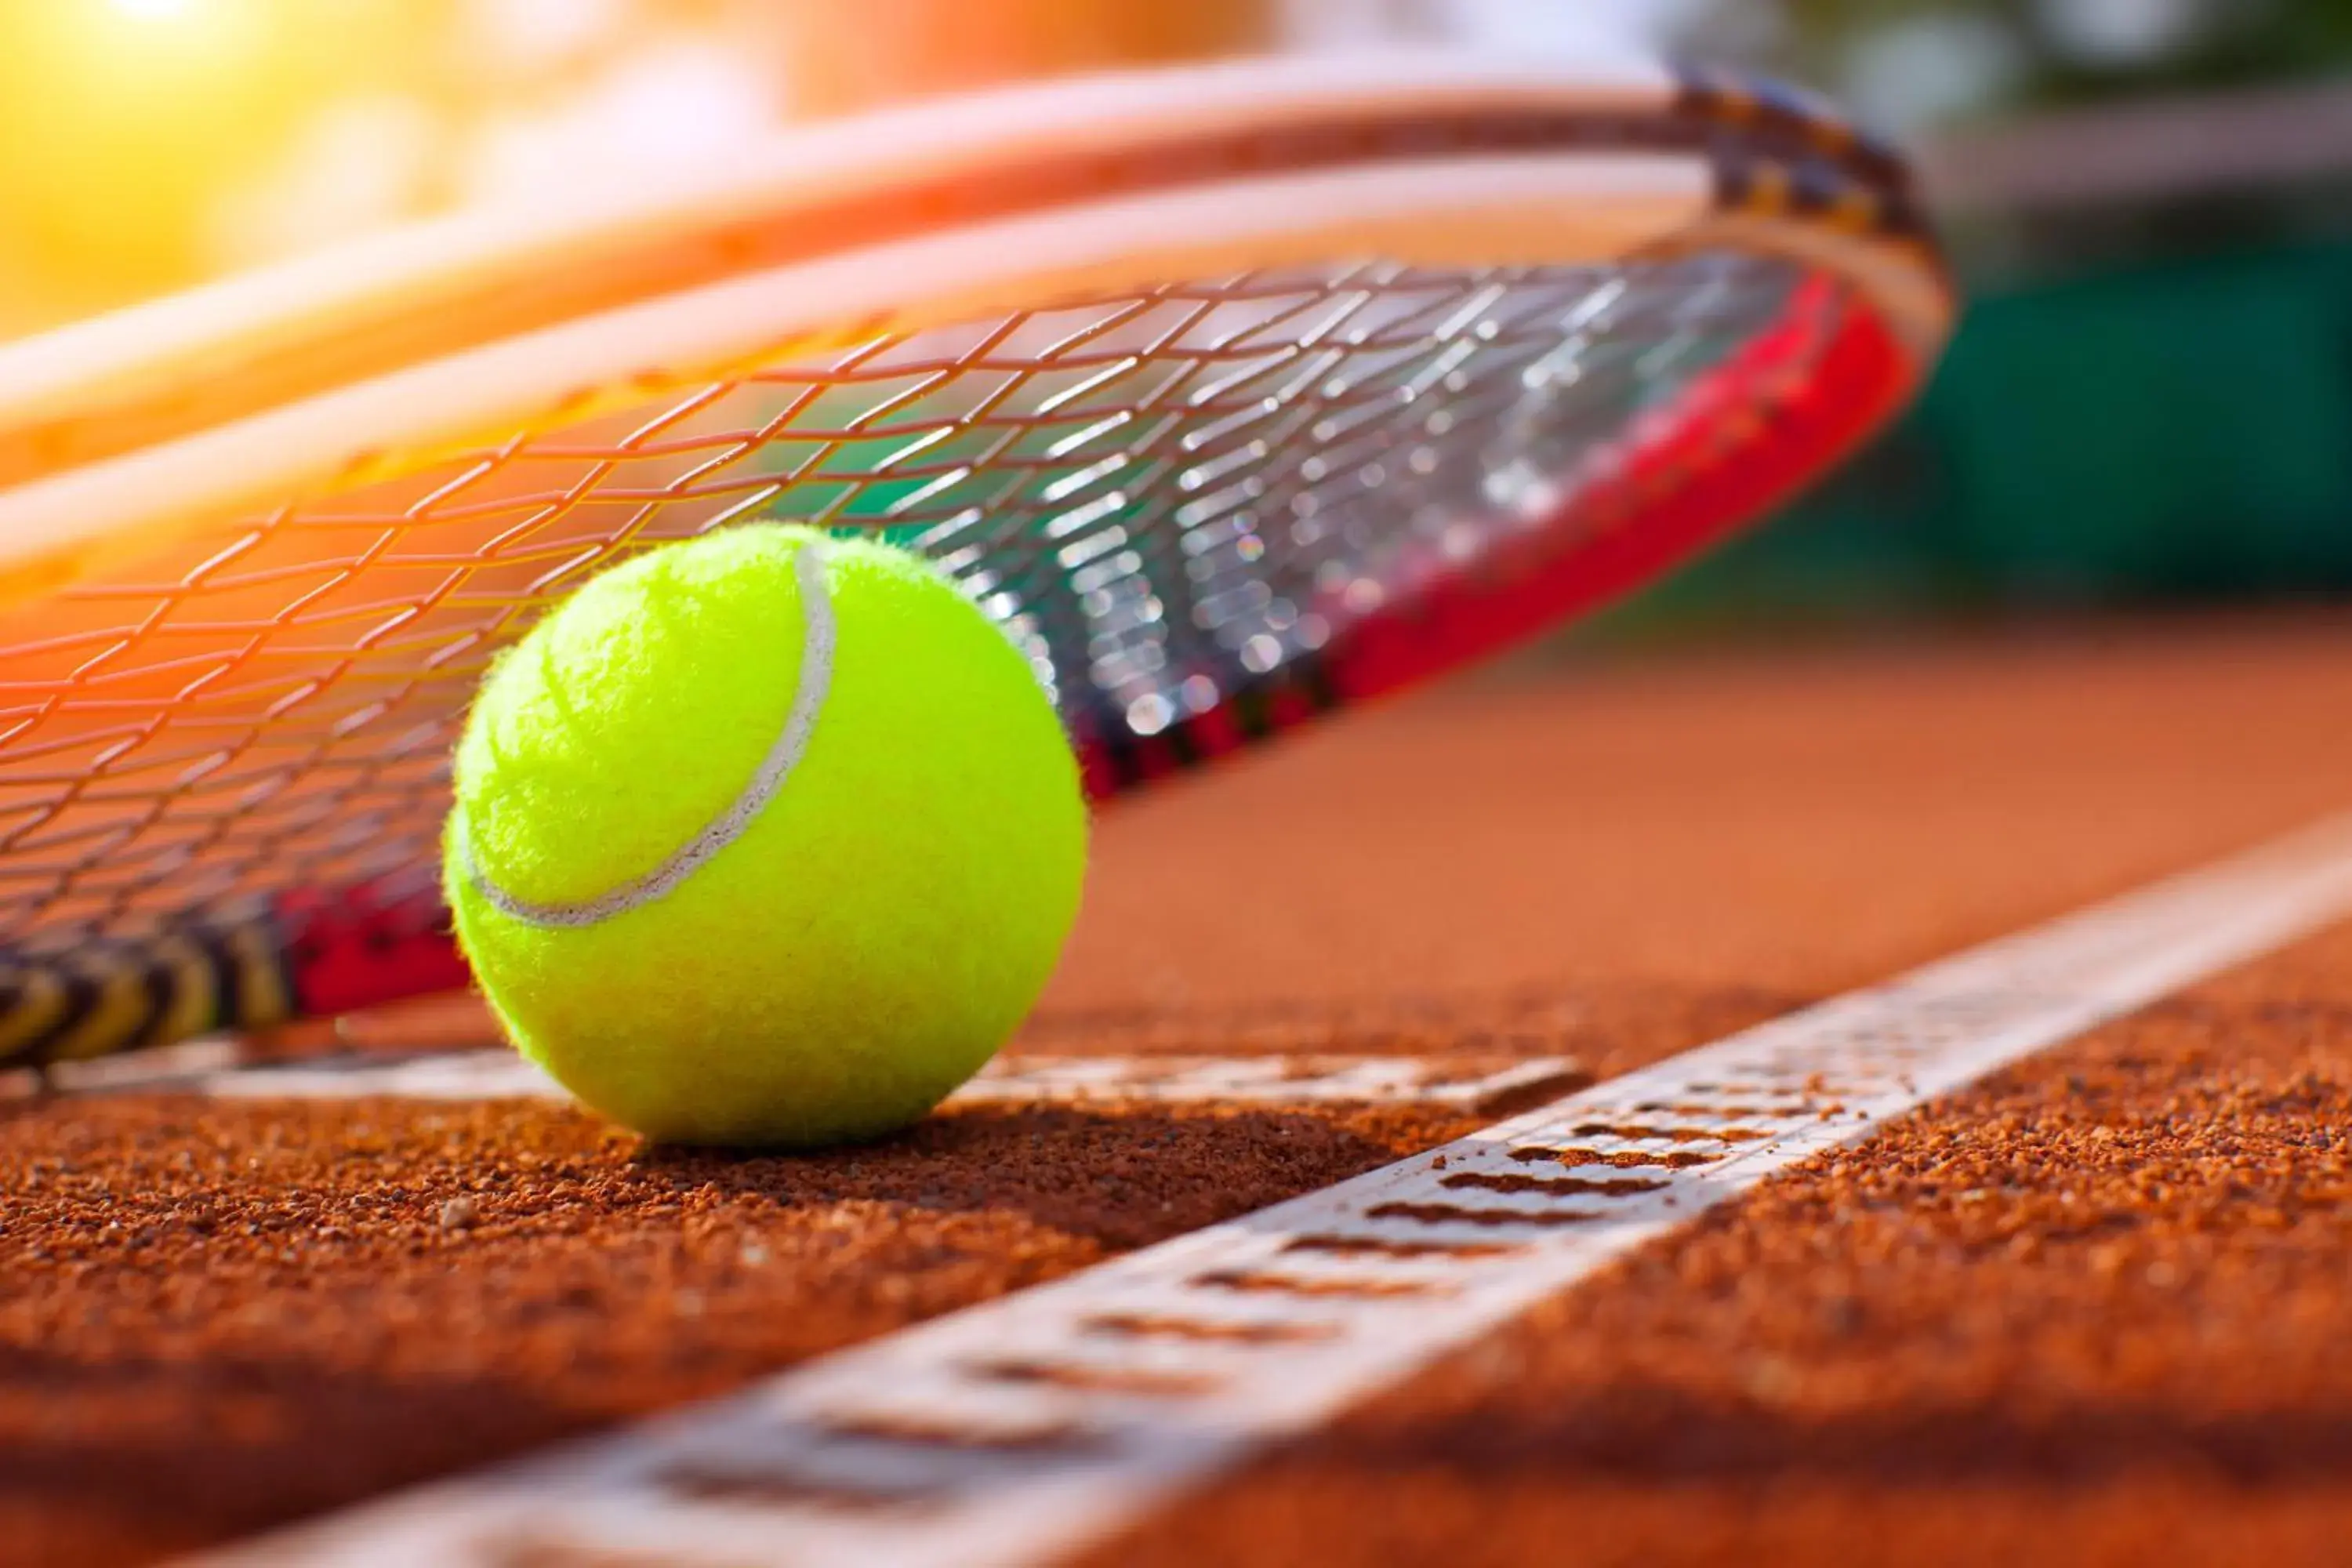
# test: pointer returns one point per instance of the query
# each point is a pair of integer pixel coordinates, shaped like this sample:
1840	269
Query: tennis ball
764	838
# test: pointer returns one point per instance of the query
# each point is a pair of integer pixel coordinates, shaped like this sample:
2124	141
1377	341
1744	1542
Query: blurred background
2149	202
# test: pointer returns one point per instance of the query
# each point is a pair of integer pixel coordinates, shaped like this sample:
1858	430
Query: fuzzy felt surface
875	934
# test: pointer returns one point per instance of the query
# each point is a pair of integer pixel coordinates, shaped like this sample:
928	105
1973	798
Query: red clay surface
215	1317
2091	1313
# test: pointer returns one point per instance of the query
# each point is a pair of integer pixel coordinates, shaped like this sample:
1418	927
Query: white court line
1018	1430
500	1074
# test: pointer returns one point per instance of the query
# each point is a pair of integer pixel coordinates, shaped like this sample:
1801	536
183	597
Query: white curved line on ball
817	638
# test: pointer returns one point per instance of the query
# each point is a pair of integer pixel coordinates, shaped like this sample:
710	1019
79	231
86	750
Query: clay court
1697	652
2087	1311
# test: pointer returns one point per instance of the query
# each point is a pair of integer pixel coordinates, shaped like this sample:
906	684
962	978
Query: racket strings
1162	496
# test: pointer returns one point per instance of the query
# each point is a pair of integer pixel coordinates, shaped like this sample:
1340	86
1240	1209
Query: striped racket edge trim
1753	432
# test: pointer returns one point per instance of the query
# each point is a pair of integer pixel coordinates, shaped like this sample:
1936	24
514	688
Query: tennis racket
1236	394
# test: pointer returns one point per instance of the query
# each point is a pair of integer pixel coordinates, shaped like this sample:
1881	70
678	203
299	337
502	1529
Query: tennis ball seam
818	635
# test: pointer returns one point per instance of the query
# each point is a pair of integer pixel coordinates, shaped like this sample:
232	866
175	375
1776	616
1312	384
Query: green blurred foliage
2219	44
2147	400
2171	431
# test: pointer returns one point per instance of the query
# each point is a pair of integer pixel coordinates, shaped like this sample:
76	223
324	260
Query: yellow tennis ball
765	838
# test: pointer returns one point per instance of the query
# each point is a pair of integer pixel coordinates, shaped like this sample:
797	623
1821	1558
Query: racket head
1236	394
